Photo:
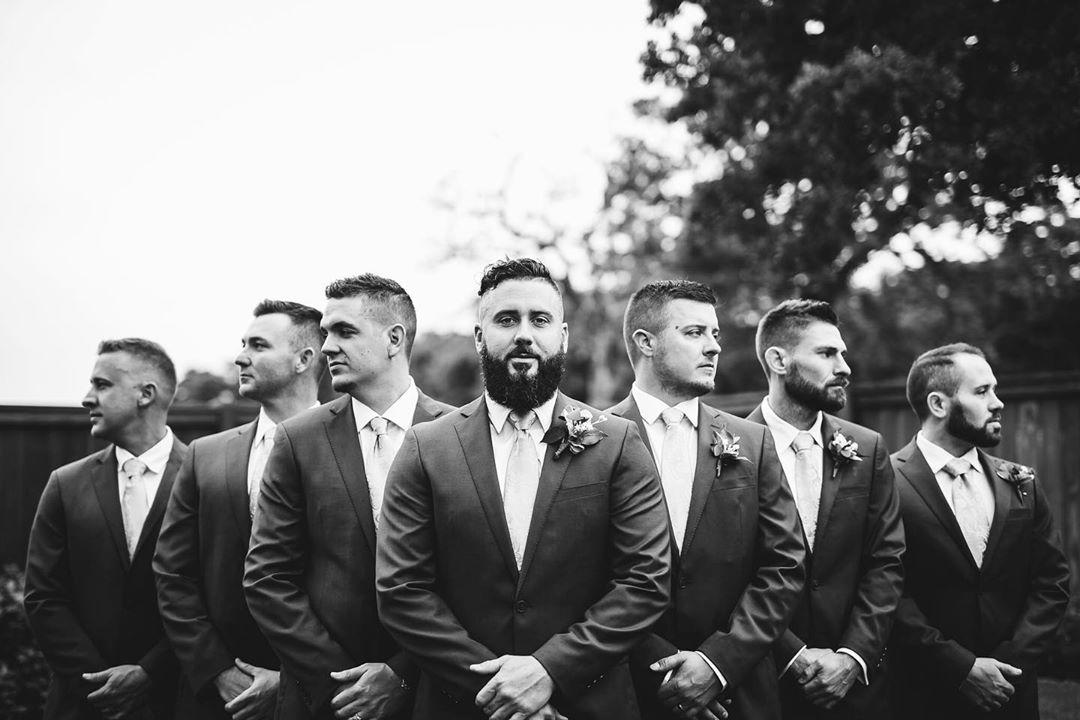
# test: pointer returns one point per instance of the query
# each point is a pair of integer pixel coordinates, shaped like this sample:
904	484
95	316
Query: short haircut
500	271
305	320
645	311
781	326
935	371
149	352
395	305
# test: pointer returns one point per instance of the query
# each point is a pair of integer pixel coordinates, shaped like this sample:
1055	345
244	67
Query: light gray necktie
675	473
382	456
258	466
520	485
808	484
135	504
970	515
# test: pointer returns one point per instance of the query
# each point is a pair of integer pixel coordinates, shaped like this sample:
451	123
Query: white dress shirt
399	418
155	459
783	434
503	433
260	451
937	457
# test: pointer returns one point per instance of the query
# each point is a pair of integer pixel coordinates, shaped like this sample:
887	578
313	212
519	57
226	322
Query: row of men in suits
525	556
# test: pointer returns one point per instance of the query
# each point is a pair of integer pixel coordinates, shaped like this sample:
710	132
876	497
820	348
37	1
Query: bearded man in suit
524	548
986	584
229	669
90	593
738	562
832	657
310	573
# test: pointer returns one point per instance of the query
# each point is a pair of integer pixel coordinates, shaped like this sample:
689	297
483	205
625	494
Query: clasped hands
248	691
987	685
372	691
122	690
690	688
519	689
824	676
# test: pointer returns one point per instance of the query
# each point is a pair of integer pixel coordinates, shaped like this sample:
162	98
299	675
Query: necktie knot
523	423
378	426
957	467
803	441
134	468
672	417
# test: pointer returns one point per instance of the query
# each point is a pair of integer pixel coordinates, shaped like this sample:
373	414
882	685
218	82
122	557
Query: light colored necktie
381	458
807	483
135	504
258	465
520	485
675	474
969	512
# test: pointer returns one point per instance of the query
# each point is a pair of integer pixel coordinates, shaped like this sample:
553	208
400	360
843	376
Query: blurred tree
200	387
446	367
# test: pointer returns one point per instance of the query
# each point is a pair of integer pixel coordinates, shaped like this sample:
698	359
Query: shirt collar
784	432
938	457
400	413
155	459
263	426
651	406
497	413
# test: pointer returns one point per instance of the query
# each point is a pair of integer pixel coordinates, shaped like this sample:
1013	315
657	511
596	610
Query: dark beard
961	428
811	396
521	393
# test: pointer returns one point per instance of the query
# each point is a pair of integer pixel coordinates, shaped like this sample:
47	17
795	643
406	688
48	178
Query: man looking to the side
90	593
738	566
229	668
831	658
310	573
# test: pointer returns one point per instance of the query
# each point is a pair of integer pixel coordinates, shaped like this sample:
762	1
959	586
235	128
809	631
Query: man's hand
123	689
257	702
690	687
371	690
832	675
547	713
987	685
800	670
230	683
520	687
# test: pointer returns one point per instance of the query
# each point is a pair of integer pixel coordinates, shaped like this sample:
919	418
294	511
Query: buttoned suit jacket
854	574
737	579
199	567
90	605
592	582
309	577
952	611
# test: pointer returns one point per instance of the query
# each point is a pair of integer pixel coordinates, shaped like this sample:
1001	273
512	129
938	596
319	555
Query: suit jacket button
521	606
814	584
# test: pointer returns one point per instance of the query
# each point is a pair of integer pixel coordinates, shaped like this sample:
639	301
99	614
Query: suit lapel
237	454
915	468
475	438
344	442
161	499
829	484
426	409
1003	495
704	473
107	489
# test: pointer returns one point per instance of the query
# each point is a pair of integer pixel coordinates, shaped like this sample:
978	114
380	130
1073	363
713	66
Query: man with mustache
737	567
309	577
832	657
524	548
229	669
986	583
90	596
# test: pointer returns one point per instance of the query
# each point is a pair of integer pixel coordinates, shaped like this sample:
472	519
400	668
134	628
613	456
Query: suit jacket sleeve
409	603
1048	593
48	601
870	619
274	579
767	604
199	646
640	569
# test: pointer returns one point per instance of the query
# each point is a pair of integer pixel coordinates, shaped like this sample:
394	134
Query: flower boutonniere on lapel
576	432
844	451
1016	475
725	447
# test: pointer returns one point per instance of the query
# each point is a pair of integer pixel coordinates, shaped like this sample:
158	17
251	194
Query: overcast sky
165	166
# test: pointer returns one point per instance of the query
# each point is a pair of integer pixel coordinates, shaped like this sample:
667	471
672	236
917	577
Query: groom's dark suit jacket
738	577
593	580
199	565
952	611
310	573
854	576
90	606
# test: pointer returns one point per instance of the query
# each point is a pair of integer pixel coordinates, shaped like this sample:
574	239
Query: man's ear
565	337
478	337
148	393
304	359
777	360
939	404
645	342
396	336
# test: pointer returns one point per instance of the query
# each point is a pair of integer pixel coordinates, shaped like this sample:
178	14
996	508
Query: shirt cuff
719	675
859	660
791	662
